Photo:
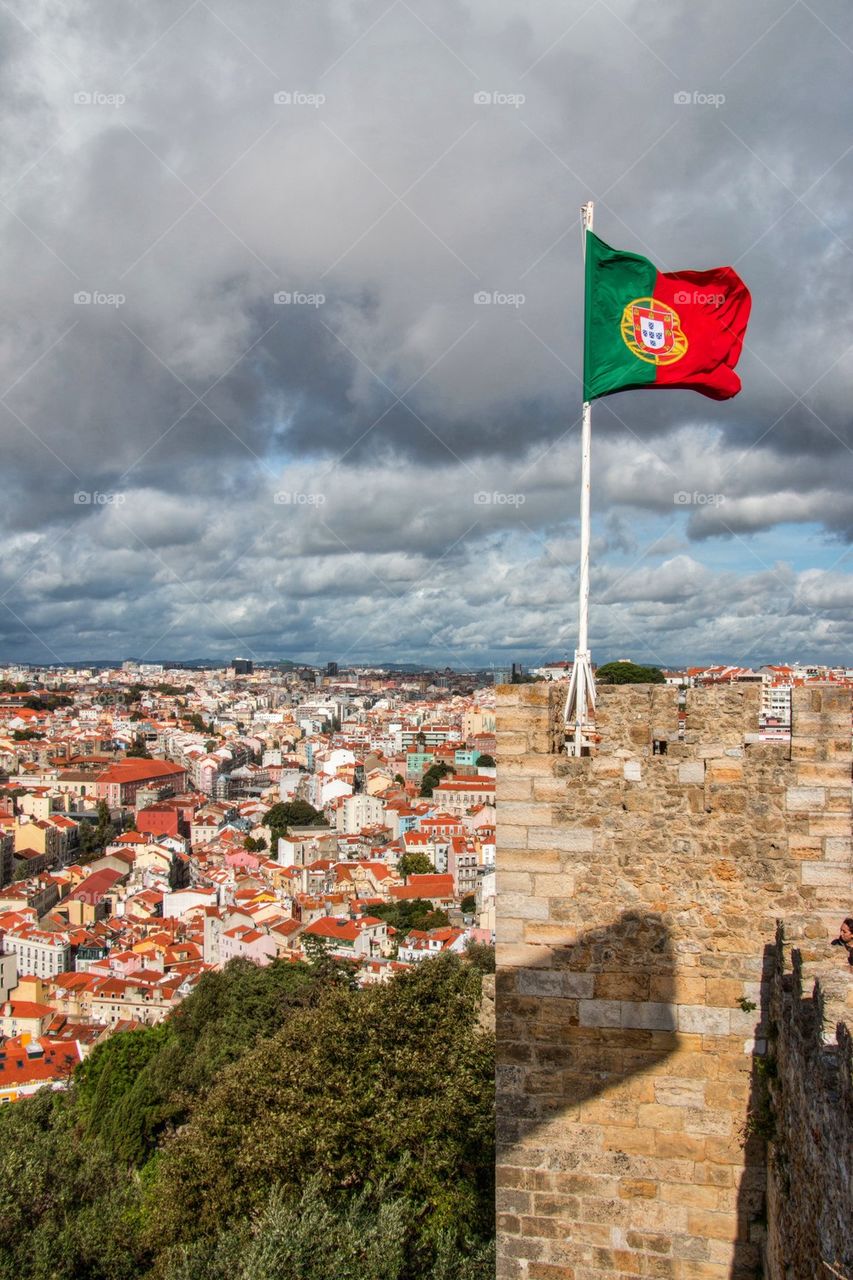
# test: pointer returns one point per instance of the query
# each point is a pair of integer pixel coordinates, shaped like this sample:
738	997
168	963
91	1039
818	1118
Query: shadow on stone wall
584	1046
756	1130
558	1047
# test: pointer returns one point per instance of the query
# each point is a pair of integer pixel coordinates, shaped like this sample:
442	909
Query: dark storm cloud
146	160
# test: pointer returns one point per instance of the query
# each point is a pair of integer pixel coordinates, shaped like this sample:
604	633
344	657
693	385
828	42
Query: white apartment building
776	703
357	812
37	952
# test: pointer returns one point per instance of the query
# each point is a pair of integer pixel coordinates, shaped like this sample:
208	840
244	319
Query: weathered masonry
638	894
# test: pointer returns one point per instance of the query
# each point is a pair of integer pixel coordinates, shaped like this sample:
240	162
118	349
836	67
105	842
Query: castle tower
638	894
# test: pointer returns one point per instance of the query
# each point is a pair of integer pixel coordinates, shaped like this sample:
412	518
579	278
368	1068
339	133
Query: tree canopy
414	864
293	813
280	1123
433	775
628	673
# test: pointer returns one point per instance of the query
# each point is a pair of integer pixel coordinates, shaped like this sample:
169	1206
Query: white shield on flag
652	333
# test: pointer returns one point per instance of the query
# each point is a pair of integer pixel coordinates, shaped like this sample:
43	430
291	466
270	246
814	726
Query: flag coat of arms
647	328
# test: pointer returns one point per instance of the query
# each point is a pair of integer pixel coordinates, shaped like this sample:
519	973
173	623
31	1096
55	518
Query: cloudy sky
252	405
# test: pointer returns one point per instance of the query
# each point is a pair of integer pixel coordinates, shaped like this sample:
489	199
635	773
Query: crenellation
630	961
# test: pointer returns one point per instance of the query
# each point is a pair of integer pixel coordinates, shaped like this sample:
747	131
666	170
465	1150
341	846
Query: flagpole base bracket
580	705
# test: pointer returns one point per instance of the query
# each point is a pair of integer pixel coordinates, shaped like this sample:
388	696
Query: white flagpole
581	697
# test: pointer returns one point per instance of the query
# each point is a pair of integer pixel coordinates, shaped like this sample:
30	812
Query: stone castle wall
809	1115
638	894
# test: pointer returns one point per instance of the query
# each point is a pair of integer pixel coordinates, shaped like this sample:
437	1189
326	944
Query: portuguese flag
648	328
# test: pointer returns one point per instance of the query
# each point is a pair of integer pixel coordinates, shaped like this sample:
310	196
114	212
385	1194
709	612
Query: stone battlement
638	894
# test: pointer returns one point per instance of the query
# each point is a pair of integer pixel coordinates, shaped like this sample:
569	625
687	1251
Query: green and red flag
650	328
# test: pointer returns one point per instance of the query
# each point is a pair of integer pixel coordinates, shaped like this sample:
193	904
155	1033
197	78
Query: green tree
485	761
401	1089
293	813
414	864
433	775
273	1108
481	956
412	913
628	673
138	749
469	903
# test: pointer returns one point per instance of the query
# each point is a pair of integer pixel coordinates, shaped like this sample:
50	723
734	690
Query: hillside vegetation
281	1125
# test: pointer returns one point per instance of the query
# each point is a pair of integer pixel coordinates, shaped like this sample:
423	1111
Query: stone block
630	1141
571	840
552	935
540	982
517	814
804	799
553	884
515	789
836	874
706	1120
667	1119
600	1013
512	837
713	1226
645	1015
578	986
522	906
509	930
515	954
680	1093
723	770
638	1189
703	1020
632	771
692	771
